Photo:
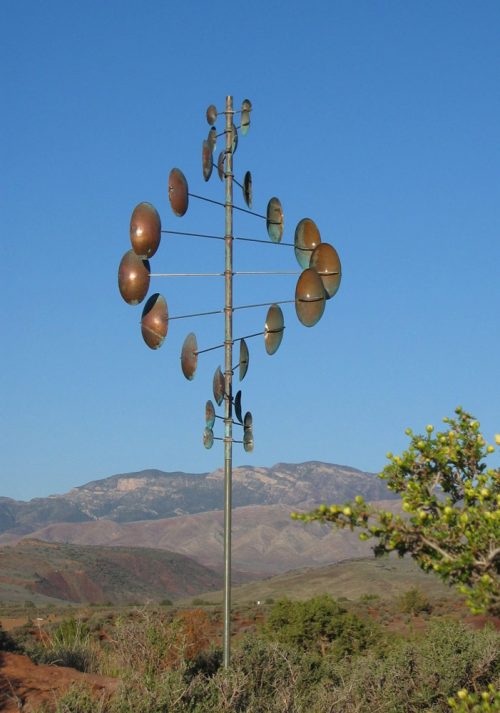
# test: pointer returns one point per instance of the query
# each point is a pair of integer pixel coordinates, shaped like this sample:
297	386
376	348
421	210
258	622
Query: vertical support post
228	377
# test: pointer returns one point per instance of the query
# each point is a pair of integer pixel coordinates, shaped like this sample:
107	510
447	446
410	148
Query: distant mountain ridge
154	494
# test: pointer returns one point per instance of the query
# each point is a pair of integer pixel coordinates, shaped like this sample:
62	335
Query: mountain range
155	494
181	513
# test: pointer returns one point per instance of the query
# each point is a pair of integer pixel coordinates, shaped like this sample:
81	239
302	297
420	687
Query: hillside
39	571
155	495
385	577
265	540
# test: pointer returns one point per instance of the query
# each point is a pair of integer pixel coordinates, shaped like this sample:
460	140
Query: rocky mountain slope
265	541
39	571
154	495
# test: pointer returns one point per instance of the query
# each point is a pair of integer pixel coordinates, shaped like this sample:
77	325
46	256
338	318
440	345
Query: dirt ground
25	686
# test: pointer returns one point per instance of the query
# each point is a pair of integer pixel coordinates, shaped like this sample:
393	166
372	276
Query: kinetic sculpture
317	283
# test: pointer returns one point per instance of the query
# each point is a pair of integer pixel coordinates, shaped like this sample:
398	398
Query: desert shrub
79	699
418	676
192	634
414	601
206	663
7	643
319	623
69	644
140	644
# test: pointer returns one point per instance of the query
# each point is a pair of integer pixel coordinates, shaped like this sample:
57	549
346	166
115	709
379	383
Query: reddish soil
25	686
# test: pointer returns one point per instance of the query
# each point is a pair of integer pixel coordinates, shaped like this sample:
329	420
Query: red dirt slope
26	686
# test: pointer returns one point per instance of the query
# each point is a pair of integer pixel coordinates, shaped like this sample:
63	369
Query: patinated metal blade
133	278
310	298
154	322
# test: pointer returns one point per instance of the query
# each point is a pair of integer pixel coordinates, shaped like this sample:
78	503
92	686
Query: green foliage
420	674
414	602
319	623
451	500
79	699
69	644
487	701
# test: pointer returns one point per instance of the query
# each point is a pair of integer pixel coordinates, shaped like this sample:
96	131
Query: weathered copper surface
244	359
220	165
273	329
212	138
209	414
237	407
145	230
211	114
189	356
310	298
275	220
245	116
133	278
206	160
248	440
234	138
208	437
178	192
307	237
154	322
247	188
326	262
218	386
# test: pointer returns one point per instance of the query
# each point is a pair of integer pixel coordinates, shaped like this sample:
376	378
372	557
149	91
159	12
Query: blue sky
379	120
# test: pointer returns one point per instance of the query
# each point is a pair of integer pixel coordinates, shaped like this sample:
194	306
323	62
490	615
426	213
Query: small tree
451	503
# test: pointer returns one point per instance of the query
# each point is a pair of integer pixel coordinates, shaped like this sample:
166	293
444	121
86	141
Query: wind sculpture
317	283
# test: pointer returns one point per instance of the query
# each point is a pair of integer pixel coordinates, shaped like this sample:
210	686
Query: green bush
414	602
321	624
69	644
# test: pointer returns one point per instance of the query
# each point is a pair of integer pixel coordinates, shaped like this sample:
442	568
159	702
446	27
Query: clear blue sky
380	120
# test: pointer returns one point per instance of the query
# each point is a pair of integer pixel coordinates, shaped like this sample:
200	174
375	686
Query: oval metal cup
234	139
246	107
326	262
178	192
248	420
310	298
189	356
133	278
248	440
307	238
237	407
244	359
145	230
218	386
212	138
247	188
208	437
273	329
154	322
220	165
209	414
206	160
275	220
212	114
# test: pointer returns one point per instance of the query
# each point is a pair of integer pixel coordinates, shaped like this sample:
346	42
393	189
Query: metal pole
228	373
